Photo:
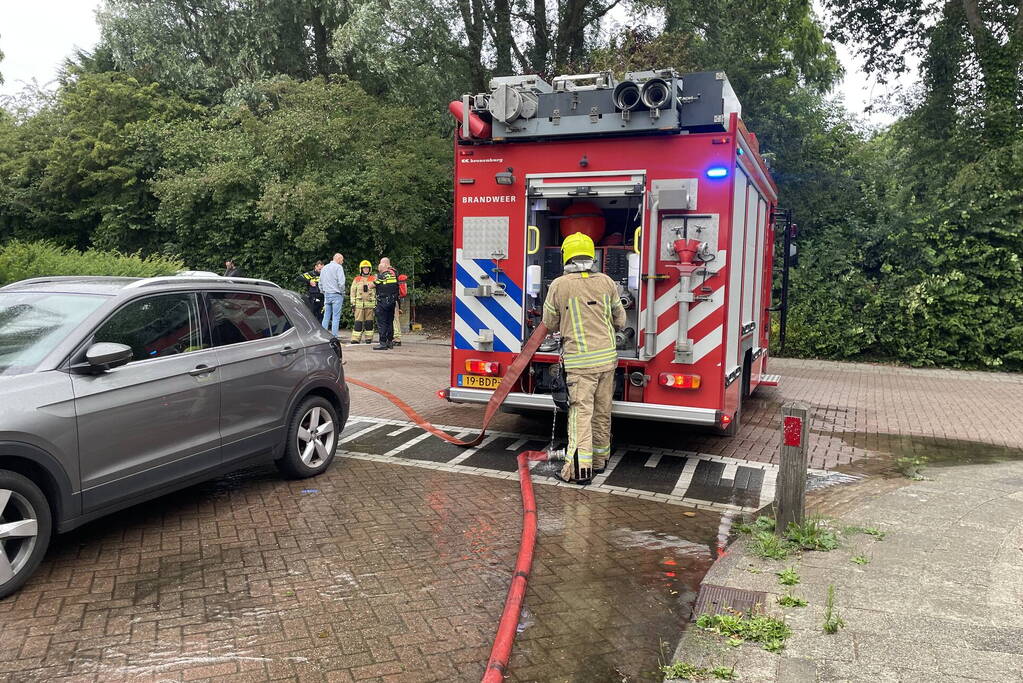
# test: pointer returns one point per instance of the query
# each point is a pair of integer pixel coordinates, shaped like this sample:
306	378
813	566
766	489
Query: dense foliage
276	132
21	260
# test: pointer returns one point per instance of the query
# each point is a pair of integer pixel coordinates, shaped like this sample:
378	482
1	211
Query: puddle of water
937	452
622	597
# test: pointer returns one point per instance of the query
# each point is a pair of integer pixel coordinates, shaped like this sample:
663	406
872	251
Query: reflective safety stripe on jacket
586	309
363	292
312	279
387	284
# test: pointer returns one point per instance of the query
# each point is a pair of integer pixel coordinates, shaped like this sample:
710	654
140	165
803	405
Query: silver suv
117	390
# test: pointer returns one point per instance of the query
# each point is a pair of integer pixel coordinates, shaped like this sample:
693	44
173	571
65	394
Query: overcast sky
36	35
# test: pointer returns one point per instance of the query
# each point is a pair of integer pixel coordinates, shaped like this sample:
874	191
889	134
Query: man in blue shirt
332	284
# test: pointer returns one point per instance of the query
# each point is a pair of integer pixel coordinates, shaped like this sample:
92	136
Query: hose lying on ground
497	665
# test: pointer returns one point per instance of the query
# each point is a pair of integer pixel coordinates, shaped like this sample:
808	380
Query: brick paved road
384	572
370	572
858	408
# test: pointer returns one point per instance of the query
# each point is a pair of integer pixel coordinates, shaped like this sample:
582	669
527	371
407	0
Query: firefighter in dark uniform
313	295
586	309
387	300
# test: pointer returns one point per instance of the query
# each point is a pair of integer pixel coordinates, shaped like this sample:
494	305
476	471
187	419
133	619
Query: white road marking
469	452
401	430
676	497
686	478
356	435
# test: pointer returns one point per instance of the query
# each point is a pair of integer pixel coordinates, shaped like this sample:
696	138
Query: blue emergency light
717	172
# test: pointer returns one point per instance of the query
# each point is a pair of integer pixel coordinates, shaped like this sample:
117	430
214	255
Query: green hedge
20	260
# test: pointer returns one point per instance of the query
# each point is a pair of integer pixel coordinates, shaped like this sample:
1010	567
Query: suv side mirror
104	356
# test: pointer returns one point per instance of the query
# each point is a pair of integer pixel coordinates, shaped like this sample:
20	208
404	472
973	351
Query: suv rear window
156	326
279	323
237	317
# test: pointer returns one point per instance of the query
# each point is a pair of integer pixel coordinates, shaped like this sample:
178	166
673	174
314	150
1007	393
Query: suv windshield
32	323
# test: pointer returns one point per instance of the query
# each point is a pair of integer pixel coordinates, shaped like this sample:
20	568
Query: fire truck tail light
675	381
726	420
482	367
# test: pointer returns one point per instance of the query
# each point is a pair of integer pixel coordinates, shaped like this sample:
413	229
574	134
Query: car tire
312	439
22	543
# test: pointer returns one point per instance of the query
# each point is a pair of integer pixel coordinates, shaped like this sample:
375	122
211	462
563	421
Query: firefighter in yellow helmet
364	299
586	308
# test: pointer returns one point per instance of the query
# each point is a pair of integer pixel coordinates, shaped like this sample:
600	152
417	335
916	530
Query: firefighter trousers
589	421
362	328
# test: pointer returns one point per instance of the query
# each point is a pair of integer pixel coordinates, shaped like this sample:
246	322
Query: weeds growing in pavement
860	559
789	600
765	544
762	523
832	620
877	534
768	631
815	533
911	466
690	672
788	577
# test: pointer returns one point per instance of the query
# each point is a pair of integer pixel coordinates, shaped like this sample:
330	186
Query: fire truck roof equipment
528	108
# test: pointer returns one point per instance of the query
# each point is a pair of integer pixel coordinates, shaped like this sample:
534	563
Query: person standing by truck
332	284
585	308
364	299
387	301
313	295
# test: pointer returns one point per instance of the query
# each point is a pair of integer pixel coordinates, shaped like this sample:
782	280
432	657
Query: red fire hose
508	626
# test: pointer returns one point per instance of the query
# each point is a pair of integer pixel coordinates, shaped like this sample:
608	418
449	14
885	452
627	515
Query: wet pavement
381	571
370	572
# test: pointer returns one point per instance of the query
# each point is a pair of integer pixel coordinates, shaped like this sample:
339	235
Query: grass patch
768	631
815	533
861	560
872	531
690	672
788	577
765	544
832	619
789	600
762	523
911	467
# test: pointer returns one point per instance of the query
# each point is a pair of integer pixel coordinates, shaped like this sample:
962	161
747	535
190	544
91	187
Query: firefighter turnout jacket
586	309
363	292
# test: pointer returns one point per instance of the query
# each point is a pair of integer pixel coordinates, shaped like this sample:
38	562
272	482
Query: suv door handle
287	351
200	370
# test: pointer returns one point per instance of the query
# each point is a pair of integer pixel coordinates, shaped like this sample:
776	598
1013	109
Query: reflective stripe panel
591	359
578	334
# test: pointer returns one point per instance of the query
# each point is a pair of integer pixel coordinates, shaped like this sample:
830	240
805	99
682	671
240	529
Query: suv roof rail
55	278
166	279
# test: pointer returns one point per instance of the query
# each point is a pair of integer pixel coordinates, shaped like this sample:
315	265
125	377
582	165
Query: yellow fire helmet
576	244
365	264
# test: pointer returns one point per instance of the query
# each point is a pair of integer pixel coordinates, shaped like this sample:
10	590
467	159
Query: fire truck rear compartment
615	256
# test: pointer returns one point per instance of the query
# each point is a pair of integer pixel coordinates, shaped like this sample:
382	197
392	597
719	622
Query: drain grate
725	600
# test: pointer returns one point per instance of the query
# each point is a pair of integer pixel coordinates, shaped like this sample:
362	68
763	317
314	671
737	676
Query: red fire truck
660	171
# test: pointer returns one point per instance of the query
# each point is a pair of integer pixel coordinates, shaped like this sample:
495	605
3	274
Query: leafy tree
77	170
218	46
984	36
316	168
